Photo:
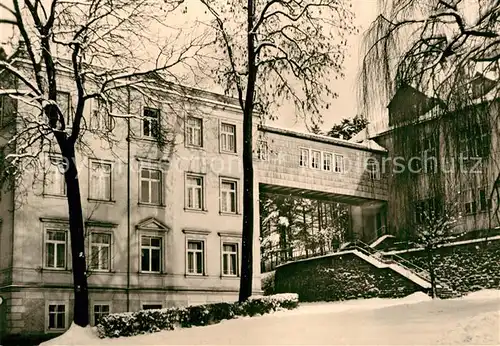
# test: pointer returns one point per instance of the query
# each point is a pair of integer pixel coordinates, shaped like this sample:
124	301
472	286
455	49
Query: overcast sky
346	105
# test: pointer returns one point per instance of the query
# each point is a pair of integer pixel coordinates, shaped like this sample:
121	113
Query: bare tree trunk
430	260
77	234
248	193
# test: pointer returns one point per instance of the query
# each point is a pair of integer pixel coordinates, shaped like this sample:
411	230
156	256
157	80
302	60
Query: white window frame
374	174
230	237
316	162
56	243
470	202
99	303
53	169
161	184
187	135
337	168
189	188
193	252
222	181
100	177
324	167
100	246
68	118
100	117
47	316
304	161
230	254
151	235
227	135
150	121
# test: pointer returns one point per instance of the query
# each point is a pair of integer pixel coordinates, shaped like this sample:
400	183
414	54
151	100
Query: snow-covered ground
414	320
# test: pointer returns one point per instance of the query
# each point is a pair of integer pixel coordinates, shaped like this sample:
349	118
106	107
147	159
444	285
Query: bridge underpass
326	169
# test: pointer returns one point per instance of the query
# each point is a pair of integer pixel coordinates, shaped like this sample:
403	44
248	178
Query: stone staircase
403	267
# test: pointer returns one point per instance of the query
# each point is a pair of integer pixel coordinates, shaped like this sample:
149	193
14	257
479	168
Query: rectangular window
195	257
229	259
63	100
152	306
315	159
100	118
373	169
304	157
151	254
327	161
194	132
228	138
100	310
338	165
55	249
228	196
262	150
151	122
100	181
100	251
57	316
470	205
54	177
194	192
151	186
484	200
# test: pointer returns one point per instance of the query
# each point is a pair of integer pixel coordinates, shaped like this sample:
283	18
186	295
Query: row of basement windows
152	254
151	186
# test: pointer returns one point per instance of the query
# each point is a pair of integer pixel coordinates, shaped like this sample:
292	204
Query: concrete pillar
356	222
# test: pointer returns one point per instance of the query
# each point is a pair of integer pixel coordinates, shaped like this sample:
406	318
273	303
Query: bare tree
99	48
436	228
275	51
446	52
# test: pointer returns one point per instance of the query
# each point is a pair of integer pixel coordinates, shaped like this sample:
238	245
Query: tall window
100	251
100	118
195	257
63	100
194	192
427	210
57	316
54	178
304	157
55	249
338	164
151	186
151	122
150	254
484	200
373	169
228	138
194	132
315	159
229	259
100	310
228	195
262	150
100	181
327	161
470	204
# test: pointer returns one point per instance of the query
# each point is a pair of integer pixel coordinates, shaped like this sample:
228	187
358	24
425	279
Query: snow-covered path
415	320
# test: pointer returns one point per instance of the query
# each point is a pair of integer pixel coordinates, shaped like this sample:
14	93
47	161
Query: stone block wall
340	277
465	268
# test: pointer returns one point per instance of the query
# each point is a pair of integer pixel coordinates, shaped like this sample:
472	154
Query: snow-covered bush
267	284
150	321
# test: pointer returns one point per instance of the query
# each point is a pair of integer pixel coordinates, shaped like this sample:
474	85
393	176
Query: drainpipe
128	200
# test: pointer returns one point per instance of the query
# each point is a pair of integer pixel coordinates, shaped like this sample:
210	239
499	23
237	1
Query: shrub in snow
150	321
267	284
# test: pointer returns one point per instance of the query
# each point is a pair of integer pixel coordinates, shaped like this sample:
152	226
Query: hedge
150	321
